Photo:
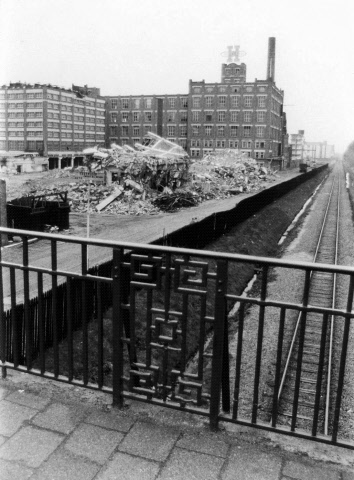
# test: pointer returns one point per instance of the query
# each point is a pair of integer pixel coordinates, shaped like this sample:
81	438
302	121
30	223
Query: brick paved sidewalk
58	434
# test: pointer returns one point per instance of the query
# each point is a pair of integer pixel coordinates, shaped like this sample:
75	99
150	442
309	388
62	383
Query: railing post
218	342
117	327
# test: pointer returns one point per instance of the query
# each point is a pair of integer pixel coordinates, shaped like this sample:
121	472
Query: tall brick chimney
271	59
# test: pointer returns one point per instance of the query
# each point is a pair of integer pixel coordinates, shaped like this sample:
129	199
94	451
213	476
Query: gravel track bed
287	285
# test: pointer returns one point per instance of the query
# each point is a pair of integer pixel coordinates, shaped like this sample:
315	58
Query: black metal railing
153	324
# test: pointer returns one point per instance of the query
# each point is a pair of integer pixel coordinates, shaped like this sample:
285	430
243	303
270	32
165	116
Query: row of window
234	131
235	101
196	143
131	103
49	96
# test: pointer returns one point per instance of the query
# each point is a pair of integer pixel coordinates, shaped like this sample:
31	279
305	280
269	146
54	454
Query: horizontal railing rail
152	323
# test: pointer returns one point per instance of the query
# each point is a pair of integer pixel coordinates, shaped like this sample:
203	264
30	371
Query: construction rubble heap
153	177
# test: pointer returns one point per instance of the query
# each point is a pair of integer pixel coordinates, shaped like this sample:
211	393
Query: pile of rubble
228	172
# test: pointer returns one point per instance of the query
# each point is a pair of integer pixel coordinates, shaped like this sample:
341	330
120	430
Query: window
171	130
136	116
222	101
259	154
208	143
136	131
247	116
183	142
125	117
171	116
261	116
208	130
31	114
184	116
259	145
234	116
125	102
208	101
262	101
195	143
248	100
235	101
114	117
39	115
147	128
246	144
136	102
172	102
148	102
196	102
208	116
195	152
124	130
195	130
183	131
184	102
147	116
246	131
233	130
260	132
233	144
221	131
113	131
221	116
195	116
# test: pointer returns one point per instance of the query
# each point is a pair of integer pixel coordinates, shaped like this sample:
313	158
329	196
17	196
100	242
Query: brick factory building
47	119
231	114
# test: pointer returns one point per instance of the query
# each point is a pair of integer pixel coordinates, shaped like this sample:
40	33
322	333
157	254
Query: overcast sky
130	47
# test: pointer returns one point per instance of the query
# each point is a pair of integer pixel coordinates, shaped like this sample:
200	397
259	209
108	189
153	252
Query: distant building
231	114
297	141
46	119
320	150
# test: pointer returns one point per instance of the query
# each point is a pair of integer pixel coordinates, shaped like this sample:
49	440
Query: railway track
304	393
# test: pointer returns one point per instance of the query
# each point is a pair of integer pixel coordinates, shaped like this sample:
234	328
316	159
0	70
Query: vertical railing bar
259	345
14	322
84	259
241	314
3	323
117	327
54	307
99	335
301	349
41	323
148	327
184	326
28	326
320	374
84	322
343	359
69	314
278	366
218	342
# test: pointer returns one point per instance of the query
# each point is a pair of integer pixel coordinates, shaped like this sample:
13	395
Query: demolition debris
154	176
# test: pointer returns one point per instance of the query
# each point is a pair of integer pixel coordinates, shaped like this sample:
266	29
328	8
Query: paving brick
63	465
149	441
125	467
30	446
251	464
28	400
12	417
61	418
204	444
302	471
11	471
110	420
191	465
93	442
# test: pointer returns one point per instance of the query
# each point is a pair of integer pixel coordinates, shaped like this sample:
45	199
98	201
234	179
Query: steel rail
291	349
331	335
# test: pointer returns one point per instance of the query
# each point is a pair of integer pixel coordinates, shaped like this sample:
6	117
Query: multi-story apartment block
298	143
46	119
320	150
231	114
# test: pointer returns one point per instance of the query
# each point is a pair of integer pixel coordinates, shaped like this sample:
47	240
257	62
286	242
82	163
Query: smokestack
271	59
